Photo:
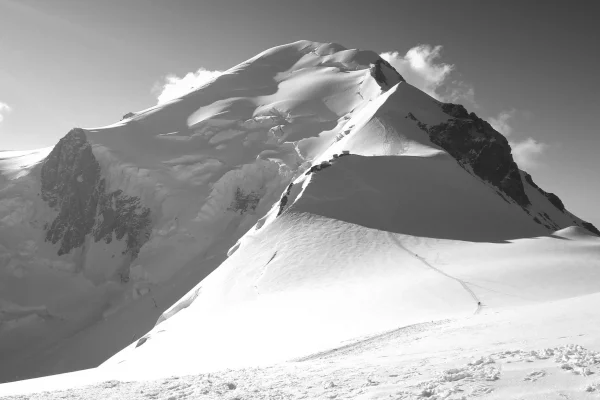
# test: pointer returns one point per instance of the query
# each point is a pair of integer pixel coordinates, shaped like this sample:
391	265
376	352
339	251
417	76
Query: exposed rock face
478	147
282	204
455	110
244	202
284	200
591	228
122	215
70	177
381	71
551	196
475	144
128	115
72	184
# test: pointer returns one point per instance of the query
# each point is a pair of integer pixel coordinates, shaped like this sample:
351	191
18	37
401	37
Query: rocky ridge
71	183
481	150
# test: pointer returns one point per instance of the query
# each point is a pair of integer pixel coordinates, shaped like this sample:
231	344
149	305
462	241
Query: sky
531	71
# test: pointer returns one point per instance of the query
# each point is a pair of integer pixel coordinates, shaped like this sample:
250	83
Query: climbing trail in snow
426	263
262	273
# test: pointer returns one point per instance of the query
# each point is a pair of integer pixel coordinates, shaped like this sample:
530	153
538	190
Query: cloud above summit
527	152
422	67
173	86
4	109
501	123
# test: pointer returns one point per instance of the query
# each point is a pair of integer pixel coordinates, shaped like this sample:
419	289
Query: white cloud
174	86
501	122
4	109
459	92
526	153
420	67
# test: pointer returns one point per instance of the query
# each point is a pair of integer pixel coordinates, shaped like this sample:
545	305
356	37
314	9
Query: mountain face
100	235
478	147
71	183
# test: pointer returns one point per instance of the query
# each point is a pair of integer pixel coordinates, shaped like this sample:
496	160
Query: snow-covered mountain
318	193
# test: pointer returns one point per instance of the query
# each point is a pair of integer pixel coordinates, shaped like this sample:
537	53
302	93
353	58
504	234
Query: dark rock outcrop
284	200
590	227
477	146
69	179
282	204
377	72
244	202
141	341
128	115
72	184
124	216
454	110
554	199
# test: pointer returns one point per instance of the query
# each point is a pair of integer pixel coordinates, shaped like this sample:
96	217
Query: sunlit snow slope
102	235
393	234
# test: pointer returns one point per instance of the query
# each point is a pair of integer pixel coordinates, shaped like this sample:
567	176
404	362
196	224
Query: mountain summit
311	185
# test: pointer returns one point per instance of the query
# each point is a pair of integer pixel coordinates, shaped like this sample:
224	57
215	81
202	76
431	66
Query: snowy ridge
327	190
17	164
308	253
198	171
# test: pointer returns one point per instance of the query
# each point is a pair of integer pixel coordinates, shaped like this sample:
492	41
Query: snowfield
543	351
306	225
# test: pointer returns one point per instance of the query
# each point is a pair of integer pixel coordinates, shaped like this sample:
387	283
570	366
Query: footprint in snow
535	375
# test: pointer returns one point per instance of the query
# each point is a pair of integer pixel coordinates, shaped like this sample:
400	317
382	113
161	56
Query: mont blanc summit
304	198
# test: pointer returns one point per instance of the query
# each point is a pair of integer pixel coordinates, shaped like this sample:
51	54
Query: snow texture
310	205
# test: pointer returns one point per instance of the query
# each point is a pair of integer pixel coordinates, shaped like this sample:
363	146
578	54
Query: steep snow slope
396	233
16	164
117	223
546	350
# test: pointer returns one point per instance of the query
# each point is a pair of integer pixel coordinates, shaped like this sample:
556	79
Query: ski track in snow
396	241
371	342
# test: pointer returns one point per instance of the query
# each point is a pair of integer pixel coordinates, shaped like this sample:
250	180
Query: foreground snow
394	234
548	351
